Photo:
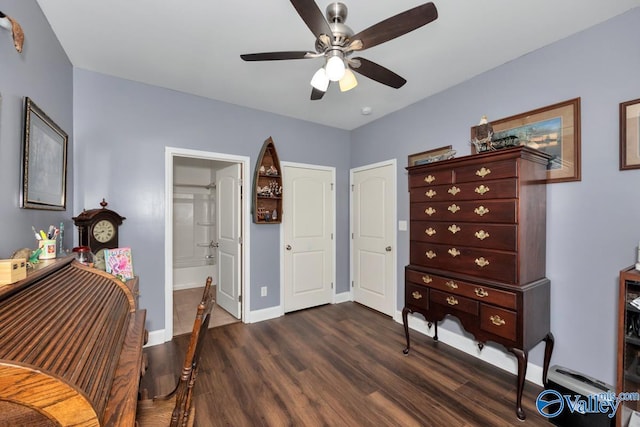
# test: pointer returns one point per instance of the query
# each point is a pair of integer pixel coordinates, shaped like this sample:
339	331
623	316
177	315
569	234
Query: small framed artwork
630	134
44	161
431	156
554	129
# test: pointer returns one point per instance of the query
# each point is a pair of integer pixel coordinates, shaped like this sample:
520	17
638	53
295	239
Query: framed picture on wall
554	129
44	161
630	134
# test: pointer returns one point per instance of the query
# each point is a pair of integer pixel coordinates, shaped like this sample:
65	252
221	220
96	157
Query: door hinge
332	186
352	235
239	240
352	283
331	236
239	298
352	187
331	285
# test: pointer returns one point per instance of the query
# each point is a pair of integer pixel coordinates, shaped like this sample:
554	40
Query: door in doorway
228	238
308	227
373	207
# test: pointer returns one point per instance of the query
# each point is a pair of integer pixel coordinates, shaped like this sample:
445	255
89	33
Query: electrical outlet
263	291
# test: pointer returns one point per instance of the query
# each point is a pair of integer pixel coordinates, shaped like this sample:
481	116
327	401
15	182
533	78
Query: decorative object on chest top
478	249
98	228
267	184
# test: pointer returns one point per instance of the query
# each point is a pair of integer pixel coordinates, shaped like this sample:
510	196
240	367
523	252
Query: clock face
104	231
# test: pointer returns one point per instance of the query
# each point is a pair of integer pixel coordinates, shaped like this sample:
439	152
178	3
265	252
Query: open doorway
207	235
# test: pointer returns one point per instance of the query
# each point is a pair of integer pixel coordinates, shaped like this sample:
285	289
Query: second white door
373	204
308	227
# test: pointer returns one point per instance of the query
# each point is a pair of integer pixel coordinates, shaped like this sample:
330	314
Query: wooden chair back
176	408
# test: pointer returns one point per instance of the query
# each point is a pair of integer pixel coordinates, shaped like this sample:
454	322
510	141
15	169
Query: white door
308	226
228	238
373	255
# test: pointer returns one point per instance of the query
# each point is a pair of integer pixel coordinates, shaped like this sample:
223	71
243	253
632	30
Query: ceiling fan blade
312	16
378	73
396	26
277	56
316	94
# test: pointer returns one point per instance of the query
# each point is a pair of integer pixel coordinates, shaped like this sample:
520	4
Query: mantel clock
98	228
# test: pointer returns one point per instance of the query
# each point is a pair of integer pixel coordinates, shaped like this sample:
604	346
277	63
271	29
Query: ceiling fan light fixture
320	80
348	81
335	67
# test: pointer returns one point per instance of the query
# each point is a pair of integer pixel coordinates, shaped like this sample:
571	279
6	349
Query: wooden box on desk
12	270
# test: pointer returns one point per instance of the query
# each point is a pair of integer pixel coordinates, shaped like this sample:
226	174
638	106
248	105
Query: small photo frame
430	156
630	135
44	161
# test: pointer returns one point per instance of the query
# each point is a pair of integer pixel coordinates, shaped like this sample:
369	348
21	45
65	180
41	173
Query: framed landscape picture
555	130
630	134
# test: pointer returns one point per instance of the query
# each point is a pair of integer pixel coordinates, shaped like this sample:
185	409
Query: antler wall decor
12	25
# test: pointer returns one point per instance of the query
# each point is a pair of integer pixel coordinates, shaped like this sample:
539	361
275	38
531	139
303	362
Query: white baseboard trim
264	314
342	297
501	359
155	338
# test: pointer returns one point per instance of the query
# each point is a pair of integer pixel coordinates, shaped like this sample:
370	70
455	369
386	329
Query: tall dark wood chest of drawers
478	250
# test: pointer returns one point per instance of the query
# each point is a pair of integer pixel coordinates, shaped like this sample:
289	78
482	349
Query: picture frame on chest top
630	134
430	156
554	129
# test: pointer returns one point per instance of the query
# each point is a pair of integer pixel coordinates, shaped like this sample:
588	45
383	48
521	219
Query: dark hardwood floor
338	365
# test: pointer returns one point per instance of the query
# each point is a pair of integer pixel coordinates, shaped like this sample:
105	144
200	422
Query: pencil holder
48	249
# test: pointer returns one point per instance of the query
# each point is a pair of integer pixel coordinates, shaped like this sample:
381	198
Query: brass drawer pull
497	320
430	254
429	179
454	208
429	211
452	301
430	193
454	228
416	295
454	190
481	210
451	284
481	262
482	190
454	252
481	234
481	292
483	172
429	231
427	279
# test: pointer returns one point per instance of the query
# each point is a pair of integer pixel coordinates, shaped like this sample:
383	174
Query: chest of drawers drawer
480	235
443	176
498	321
454	302
482	263
501	189
486	171
497	211
417	296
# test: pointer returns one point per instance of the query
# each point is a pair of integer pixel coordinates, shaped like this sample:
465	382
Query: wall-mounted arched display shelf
267	186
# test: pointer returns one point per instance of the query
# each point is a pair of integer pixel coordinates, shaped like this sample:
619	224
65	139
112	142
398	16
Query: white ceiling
194	46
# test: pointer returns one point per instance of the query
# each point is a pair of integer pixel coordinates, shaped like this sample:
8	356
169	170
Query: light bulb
320	80
348	81
335	68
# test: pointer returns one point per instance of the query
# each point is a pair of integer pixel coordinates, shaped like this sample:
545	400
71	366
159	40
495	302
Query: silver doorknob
388	249
288	247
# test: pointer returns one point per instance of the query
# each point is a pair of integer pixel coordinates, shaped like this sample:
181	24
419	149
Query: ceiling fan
336	42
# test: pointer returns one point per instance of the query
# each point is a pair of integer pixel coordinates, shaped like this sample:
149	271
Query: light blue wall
122	129
592	225
43	73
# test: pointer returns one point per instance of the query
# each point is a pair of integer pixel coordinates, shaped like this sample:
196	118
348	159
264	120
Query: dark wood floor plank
338	365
